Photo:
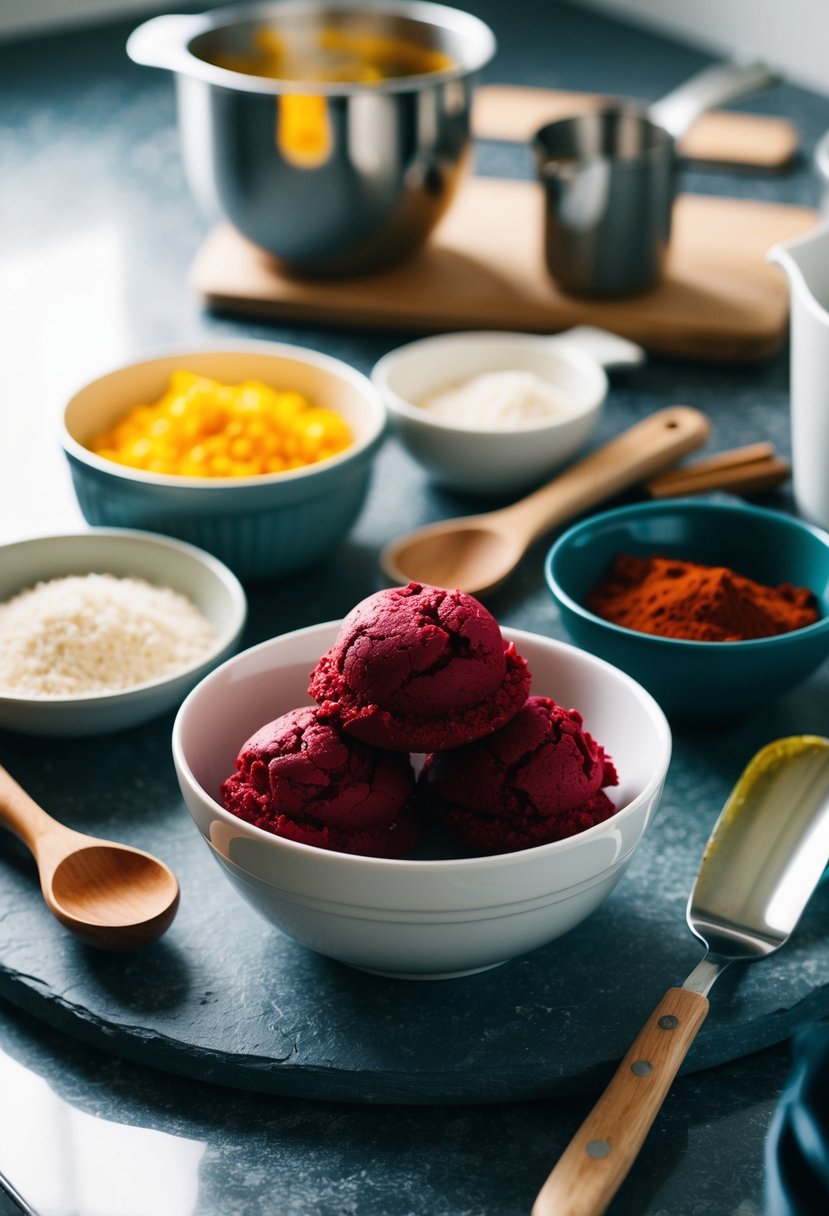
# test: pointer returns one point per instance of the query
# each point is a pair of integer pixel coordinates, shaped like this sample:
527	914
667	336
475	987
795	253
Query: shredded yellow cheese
202	428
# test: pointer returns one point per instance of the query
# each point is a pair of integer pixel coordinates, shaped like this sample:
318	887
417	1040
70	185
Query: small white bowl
263	526
418	918
481	459
202	579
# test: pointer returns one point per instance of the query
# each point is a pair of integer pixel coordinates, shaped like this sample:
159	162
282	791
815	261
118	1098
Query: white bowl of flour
104	630
492	413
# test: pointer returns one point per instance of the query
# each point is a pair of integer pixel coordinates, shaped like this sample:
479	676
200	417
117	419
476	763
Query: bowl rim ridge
83	455
494	909
430	865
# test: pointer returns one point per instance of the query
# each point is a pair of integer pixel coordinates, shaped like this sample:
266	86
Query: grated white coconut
96	634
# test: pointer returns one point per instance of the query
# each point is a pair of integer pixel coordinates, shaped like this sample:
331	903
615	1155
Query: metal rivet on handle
598	1148
668	1022
642	1068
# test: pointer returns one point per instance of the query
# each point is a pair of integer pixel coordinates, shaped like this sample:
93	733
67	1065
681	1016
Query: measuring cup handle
712	87
608	349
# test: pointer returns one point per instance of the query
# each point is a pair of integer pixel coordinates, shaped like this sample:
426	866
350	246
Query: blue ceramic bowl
261	527
697	679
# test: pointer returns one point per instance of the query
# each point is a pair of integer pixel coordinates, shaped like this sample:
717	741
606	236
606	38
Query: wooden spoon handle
597	1159
22	815
646	448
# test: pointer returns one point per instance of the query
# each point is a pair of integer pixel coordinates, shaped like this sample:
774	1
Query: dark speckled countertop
97	236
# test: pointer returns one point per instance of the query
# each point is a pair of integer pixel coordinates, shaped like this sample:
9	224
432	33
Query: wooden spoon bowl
479	552
109	895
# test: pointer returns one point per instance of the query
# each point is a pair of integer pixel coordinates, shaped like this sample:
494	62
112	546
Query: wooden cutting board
483	268
515	112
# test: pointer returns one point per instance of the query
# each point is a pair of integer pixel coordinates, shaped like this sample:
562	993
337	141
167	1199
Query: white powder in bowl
500	400
96	634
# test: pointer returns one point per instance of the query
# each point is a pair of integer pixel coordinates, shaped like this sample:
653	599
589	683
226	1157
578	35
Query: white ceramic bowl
416	918
480	459
263	526
206	582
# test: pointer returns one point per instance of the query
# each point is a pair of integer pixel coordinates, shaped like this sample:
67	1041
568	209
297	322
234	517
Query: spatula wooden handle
646	448
598	1158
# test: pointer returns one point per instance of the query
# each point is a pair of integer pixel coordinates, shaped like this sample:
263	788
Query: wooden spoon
109	895
478	552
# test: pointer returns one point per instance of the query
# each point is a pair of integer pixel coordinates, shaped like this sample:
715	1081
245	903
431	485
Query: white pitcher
806	262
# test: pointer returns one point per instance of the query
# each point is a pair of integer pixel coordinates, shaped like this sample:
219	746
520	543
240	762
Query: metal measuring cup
609	180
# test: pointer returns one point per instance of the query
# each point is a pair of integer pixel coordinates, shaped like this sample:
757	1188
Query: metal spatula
766	855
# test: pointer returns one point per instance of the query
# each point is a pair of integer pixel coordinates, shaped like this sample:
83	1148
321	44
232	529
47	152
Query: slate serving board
225	998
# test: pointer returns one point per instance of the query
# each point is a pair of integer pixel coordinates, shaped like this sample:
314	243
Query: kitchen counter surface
97	238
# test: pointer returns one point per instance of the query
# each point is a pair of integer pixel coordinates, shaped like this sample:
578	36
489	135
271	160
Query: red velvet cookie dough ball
541	777
418	668
301	777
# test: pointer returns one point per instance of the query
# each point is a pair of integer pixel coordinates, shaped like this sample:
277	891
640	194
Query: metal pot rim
165	42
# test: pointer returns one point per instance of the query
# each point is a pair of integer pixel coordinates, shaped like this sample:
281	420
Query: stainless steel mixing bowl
332	176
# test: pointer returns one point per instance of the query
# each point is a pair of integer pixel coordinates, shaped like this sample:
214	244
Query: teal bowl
697	679
261	527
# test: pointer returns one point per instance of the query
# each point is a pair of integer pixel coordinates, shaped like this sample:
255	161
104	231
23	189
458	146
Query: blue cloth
797	1148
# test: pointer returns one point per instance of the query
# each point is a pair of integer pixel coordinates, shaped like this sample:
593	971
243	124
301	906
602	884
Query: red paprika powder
681	599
